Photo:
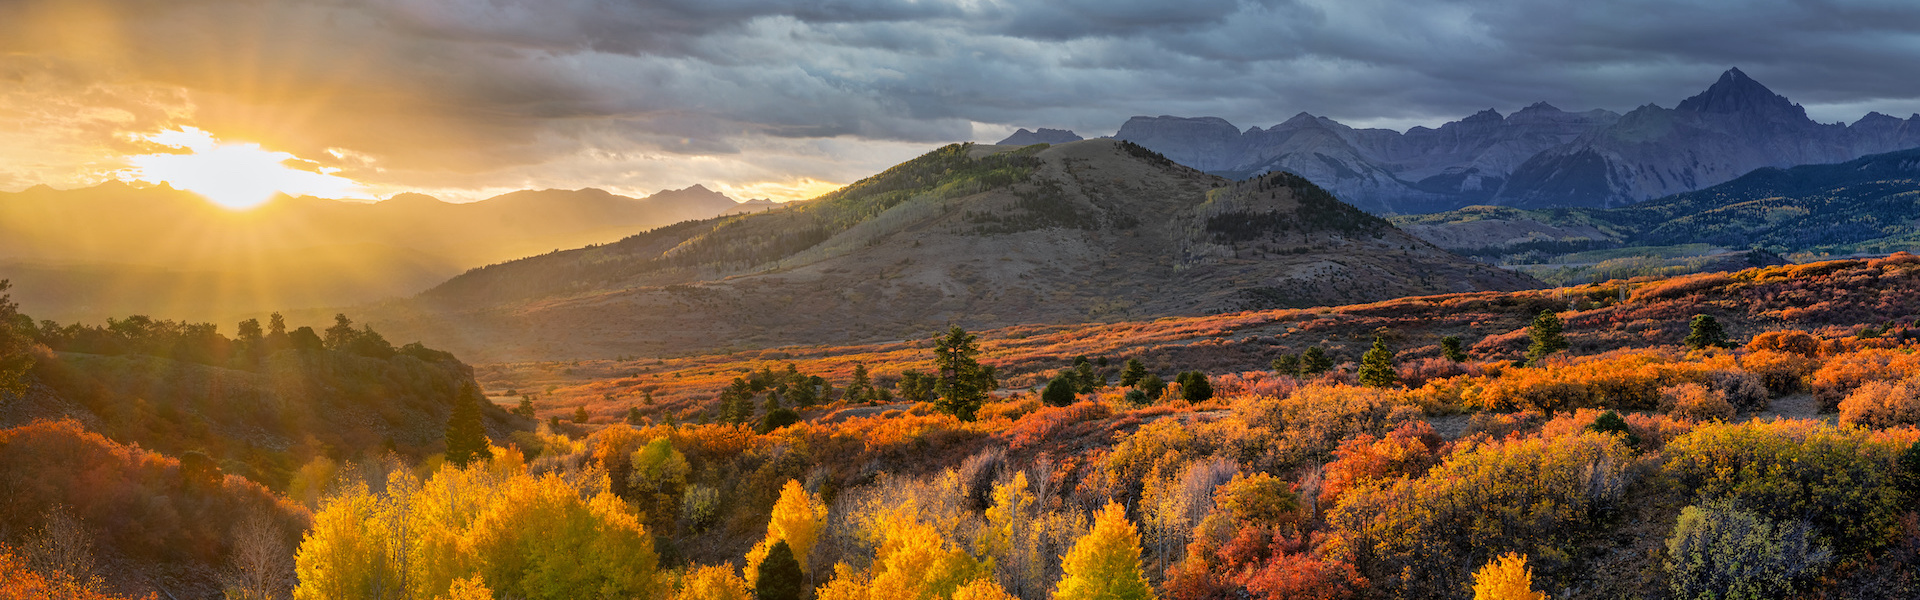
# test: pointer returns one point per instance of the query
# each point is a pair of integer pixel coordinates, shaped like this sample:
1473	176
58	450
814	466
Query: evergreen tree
780	577
1315	361
634	417
16	356
1152	386
466	434
961	382
1705	332
1194	387
341	334
525	409
1286	364
861	388
1104	564
1450	348
736	402
1059	392
580	414
1085	378
1376	366
1132	373
1610	422
1545	333
916	387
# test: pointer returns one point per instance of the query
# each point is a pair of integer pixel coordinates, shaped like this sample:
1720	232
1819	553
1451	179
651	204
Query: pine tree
1153	386
1376	366
1315	361
1132	373
466	434
525	409
1286	364
1610	422
1450	347
634	417
580	414
780	577
1705	332
1545	333
1059	392
1194	387
861	388
16	356
961	381
1105	563
1506	578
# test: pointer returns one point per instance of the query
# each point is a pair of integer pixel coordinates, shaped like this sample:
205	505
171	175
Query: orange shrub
18	582
1795	342
1695	402
1679	287
1782	372
1842	373
1629	379
1882	404
1407	451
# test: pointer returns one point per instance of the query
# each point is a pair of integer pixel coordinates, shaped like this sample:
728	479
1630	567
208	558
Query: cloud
466	96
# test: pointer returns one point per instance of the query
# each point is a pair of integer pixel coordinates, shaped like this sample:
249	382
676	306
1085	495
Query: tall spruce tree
1450	347
1132	373
1315	361
1545	332
1705	332
960	381
779	577
1376	366
466	434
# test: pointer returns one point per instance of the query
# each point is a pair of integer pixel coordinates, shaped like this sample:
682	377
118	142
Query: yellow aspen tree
798	518
981	589
471	588
1105	563
344	554
1506	578
718	582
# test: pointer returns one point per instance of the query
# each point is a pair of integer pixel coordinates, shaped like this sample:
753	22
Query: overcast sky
465	98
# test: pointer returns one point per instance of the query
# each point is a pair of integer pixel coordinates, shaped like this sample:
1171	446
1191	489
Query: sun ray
236	175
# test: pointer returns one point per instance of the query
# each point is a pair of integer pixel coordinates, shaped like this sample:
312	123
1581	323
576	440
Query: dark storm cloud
436	89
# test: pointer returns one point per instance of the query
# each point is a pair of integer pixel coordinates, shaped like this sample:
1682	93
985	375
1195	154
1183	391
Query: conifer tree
1545	333
1105	563
466	434
1376	366
1194	387
1153	386
580	414
861	388
1705	332
1132	373
1315	361
1059	392
16	357
779	577
961	381
1450	347
1286	364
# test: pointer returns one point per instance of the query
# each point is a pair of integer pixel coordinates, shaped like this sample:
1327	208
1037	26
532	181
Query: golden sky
465	99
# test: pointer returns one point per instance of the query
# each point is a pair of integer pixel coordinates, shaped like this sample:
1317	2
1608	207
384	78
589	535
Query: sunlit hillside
114	249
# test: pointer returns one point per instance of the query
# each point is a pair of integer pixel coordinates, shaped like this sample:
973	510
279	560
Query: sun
236	175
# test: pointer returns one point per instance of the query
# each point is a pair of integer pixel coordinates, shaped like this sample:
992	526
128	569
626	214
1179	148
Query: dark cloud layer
451	94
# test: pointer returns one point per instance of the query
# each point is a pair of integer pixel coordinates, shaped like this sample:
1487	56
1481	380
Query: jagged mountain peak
1736	93
1488	115
1023	137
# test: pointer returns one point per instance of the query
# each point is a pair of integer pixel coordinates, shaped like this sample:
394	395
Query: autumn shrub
1842	373
1423	536
1417	372
1304	576
1781	372
1407	451
142	504
1626	379
1839	478
1045	424
1883	404
1308	425
1505	578
20	582
1718	551
1695	402
1789	342
1679	287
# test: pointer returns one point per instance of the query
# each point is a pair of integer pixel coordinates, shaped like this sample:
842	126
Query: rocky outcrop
1043	136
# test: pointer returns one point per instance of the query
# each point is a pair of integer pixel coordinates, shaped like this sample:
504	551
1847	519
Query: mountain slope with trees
977	236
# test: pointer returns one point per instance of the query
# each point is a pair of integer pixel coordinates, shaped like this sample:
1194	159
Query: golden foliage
798	519
1105	564
1506	578
716	582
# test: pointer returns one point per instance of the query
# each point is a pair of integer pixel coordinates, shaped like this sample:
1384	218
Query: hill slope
1863	205
113	250
979	236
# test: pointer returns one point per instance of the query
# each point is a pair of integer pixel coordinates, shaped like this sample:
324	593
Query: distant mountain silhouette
1043	136
981	236
115	249
1537	157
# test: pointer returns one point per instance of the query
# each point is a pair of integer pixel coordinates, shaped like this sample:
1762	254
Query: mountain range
1867	205
115	249
1537	157
978	236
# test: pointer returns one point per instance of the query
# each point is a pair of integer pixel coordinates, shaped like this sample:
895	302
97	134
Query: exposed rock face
1043	136
1539	156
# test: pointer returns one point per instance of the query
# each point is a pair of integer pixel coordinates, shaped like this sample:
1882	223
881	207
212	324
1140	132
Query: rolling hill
978	236
114	250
